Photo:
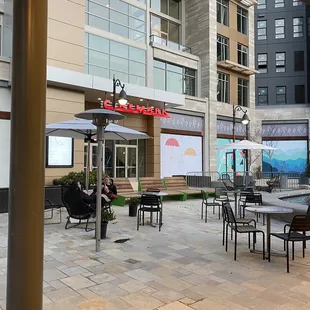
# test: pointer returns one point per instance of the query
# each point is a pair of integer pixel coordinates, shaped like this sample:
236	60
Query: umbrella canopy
246	145
81	129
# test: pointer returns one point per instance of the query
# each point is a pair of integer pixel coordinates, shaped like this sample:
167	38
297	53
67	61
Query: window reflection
168	7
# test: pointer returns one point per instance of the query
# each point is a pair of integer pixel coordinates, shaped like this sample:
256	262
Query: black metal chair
151	204
220	195
297	233
49	206
207	204
250	198
241	229
76	207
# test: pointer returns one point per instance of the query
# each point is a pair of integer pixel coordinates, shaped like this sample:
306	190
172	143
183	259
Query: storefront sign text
136	109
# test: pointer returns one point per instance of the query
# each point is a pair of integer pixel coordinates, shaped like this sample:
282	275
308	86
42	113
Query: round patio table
269	210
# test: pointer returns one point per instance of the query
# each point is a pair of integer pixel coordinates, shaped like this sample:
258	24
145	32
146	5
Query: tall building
282	96
193	58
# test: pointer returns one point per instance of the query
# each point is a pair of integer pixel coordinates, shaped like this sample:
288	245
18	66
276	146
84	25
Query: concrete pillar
26	206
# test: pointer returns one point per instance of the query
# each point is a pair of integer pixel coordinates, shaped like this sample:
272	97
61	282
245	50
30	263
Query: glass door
93	154
126	161
120	161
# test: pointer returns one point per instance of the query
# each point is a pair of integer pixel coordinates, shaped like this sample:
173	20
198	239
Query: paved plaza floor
182	267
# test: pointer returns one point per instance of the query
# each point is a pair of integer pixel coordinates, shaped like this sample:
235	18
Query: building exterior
282	98
193	58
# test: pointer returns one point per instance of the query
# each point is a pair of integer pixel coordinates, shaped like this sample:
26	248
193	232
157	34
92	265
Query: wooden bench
124	191
179	184
150	182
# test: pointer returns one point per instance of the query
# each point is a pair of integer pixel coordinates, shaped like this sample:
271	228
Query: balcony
231	65
176	46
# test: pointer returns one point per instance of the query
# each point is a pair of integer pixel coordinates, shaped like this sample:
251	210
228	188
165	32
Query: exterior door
126	158
93	156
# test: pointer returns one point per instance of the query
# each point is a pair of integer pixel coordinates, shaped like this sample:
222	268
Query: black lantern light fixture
122	100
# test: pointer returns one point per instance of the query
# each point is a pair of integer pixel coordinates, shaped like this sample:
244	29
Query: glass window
117	17
279	28
279	3
222	48
297	3
298	27
243	92
261	30
126	62
174	78
222	87
299	61
262	63
281	94
280	62
243	52
222	12
165	29
168	7
299	93
262	95
261	4
242	20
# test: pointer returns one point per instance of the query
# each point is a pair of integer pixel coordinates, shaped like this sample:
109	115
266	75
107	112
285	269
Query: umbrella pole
87	166
99	185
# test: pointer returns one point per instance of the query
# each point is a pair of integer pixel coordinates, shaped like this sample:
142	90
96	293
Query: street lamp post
122	95
245	121
101	118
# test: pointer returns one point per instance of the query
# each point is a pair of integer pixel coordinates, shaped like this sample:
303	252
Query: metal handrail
165	42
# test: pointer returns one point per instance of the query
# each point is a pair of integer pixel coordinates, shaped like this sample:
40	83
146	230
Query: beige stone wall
61	105
66	36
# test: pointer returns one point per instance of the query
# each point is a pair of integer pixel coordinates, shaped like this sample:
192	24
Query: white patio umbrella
245	145
84	129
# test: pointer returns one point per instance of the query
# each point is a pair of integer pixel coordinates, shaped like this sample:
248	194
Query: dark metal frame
208	204
49	206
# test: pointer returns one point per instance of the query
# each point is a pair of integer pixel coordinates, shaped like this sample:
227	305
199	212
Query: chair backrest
228	213
229	185
219	191
204	196
150	200
153	190
72	200
300	223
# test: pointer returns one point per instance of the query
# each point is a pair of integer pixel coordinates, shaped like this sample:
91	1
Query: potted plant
106	216
133	203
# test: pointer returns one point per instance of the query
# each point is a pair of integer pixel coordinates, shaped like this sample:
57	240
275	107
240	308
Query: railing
173	45
201	179
284	180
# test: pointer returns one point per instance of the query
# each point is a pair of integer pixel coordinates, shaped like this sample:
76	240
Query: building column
153	147
26	206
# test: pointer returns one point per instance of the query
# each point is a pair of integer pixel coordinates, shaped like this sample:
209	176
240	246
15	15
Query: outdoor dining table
268	211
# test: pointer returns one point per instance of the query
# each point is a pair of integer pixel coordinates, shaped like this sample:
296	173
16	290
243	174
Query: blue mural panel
222	154
289	156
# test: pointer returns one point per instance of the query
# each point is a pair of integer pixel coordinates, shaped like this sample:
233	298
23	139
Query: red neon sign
136	109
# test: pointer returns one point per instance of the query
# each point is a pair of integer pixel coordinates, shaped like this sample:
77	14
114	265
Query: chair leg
254	237
201	210
264	254
219	212
293	250
68	222
231	234
249	241
287	258
235	252
269	246
303	248
213	209
226	237
206	214
138	219
160	220
142	218
223	232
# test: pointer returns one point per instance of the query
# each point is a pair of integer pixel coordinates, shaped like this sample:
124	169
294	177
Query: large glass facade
106	58
117	17
165	29
174	78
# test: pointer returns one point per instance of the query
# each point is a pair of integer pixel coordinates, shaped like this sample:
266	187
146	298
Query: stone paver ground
183	267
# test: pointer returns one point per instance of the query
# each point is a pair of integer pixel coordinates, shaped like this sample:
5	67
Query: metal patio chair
297	233
205	204
231	222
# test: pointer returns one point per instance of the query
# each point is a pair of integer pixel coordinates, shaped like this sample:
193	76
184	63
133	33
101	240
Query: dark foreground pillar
26	218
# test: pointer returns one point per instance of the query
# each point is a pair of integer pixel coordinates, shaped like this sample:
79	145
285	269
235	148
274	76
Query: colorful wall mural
180	154
289	156
221	157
